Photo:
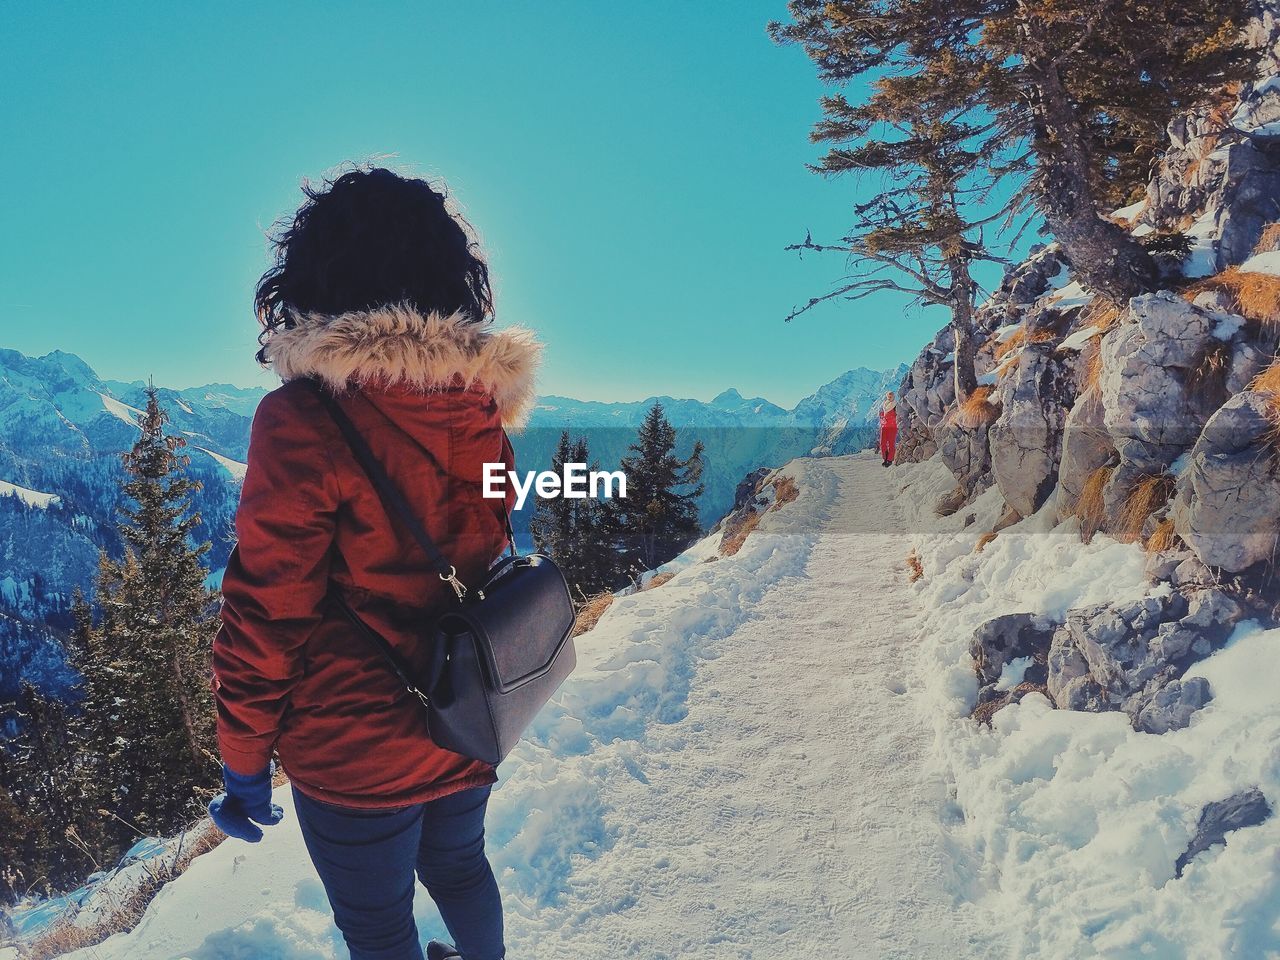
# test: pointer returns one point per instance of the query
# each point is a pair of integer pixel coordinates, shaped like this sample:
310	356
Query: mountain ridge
63	428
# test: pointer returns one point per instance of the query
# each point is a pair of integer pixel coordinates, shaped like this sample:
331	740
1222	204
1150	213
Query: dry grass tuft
1210	369
1255	296
977	410
1267	383
123	916
784	491
983	712
658	579
591	611
1163	538
1023	339
1093	367
1270	239
1147	496
1090	508
915	568
1102	314
984	540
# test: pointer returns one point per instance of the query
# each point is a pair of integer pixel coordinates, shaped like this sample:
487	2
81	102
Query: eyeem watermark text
576	482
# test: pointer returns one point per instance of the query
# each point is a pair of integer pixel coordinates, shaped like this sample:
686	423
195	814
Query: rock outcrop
1156	421
1227	511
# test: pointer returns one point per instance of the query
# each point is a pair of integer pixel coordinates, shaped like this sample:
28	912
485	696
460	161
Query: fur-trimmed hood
398	346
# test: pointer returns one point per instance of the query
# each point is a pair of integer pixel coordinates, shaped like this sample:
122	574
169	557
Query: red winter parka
431	395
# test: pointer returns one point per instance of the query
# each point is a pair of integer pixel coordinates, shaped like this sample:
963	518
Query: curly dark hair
370	238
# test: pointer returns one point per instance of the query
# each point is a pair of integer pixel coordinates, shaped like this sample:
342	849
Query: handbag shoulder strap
393	500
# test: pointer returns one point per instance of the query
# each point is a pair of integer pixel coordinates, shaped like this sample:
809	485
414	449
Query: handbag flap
521	619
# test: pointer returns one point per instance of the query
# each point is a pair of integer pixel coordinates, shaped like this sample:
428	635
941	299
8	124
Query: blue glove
246	802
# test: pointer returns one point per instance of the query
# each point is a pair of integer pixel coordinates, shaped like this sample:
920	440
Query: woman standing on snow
888	429
380	295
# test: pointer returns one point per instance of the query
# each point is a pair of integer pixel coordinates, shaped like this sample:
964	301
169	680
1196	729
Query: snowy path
739	769
789	814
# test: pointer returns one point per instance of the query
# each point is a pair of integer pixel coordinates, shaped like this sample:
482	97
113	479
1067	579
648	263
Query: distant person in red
888	429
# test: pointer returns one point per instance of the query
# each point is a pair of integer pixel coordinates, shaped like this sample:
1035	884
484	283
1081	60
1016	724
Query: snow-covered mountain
739	433
62	429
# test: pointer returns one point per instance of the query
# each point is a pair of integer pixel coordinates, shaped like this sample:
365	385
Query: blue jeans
366	860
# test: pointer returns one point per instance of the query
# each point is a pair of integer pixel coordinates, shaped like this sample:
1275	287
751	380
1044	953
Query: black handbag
499	654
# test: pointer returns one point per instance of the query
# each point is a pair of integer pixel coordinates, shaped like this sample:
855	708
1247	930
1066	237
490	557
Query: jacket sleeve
274	588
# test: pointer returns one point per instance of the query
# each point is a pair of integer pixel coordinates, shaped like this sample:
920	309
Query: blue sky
634	171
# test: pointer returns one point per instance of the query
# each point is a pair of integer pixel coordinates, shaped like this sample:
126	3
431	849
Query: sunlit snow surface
32	498
235	469
1078	818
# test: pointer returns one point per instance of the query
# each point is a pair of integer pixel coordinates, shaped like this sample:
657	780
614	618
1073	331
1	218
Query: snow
1202	261
1070	296
1267	262
1012	673
1129	212
769	758
683	795
1080	819
235	468
32	498
1005	333
1227	325
1078	339
1245	116
123	411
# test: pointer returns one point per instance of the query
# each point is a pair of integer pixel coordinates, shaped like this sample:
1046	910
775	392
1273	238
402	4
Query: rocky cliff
1156	422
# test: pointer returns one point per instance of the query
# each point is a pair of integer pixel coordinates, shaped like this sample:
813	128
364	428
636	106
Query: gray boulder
1172	706
965	450
1230	513
1006	638
1086	446
1245	809
1066	666
1145	361
1162	564
1115	641
1026	440
1248	202
1132	656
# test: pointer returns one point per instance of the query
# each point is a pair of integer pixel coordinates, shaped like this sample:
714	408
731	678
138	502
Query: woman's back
380	298
435	397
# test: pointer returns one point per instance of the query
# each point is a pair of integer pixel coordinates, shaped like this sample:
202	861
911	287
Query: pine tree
571	530
147	715
916	139
50	834
1075	94
659	515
